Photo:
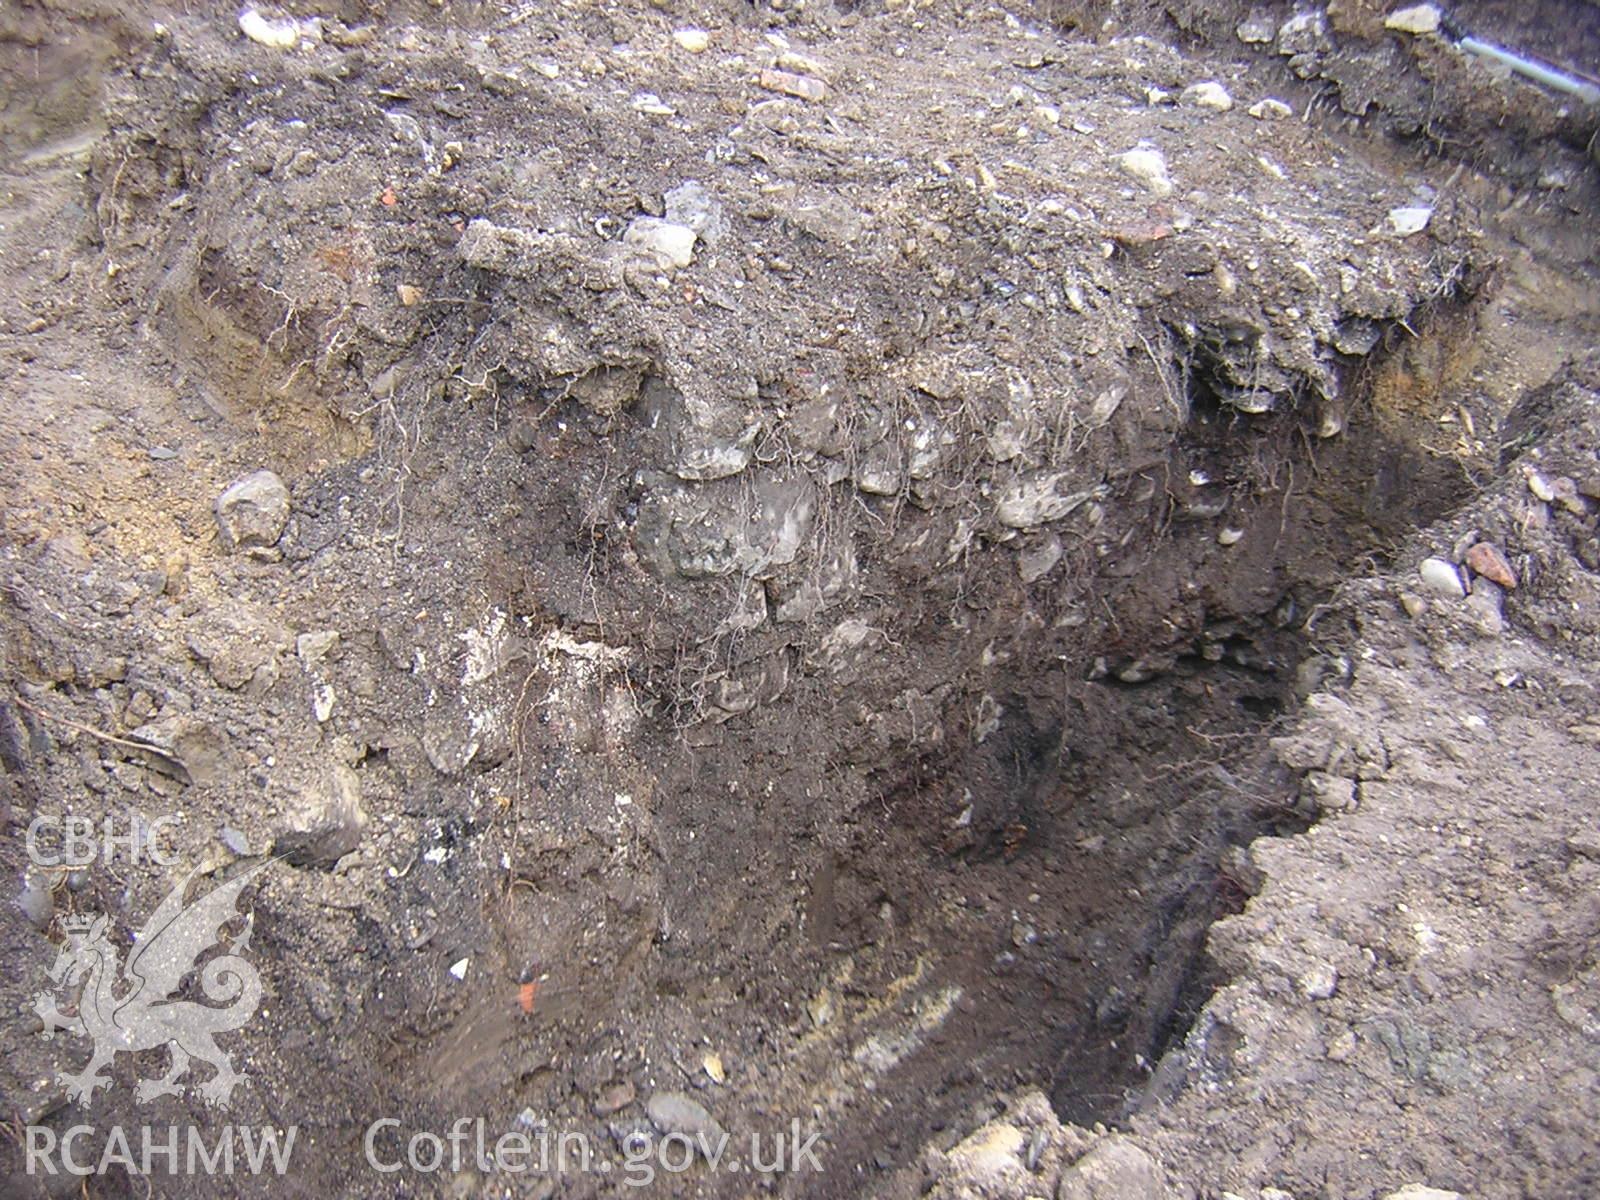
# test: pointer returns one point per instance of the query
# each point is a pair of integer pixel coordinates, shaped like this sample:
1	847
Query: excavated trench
888	913
938	806
873	900
867	873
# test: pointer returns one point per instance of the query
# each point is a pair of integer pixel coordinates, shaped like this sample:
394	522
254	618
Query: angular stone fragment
253	511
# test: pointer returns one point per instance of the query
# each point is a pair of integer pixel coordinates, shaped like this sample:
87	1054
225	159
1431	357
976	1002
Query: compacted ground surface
1007	595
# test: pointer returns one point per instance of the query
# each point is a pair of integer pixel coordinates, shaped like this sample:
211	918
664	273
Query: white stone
1149	166
1302	32
1269	110
1257	29
1405	221
1319	982
1418	1191
1417	18
671	245
1230	537
1208	94
653	105
1031	501
1442	577
991	1157
878	479
694	41
280	35
459	968
1106	404
690	204
715	458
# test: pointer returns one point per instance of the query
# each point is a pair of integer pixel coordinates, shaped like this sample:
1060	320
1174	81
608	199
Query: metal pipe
1549	76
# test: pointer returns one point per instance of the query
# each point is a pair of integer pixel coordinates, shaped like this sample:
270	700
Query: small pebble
1257	29
1403	222
1486	604
1208	94
1320	982
279	35
803	87
1442	578
36	903
1486	559
1269	110
676	1112
1566	494
671	245
1416	19
652	105
1149	167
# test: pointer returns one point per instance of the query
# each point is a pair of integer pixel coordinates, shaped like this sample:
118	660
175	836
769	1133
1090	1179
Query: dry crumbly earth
890	588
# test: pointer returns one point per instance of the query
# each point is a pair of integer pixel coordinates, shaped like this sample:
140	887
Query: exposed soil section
809	573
